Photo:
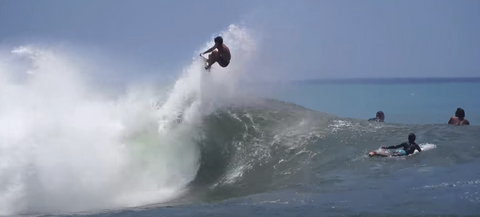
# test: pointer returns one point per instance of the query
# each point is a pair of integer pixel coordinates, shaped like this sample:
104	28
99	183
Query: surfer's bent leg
222	62
212	58
215	57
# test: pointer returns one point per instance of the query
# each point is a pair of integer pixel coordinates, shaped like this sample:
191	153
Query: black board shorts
222	62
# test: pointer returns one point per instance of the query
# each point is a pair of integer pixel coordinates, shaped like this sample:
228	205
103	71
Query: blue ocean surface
407	101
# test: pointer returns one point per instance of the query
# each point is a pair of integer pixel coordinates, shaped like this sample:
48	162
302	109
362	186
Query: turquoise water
430	103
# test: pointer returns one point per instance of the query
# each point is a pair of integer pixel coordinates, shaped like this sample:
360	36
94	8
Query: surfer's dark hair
218	40
380	115
411	137
460	113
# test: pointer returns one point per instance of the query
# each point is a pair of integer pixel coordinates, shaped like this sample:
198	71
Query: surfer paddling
408	148
221	55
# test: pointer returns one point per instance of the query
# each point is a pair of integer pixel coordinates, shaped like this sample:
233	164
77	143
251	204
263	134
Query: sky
298	39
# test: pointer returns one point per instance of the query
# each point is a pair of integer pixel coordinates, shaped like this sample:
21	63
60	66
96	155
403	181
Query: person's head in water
218	40
380	116
411	138
460	113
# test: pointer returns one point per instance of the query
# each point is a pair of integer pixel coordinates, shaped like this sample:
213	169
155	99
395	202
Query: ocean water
204	146
412	101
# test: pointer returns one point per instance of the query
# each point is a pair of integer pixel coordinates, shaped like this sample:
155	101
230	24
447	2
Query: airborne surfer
221	55
408	148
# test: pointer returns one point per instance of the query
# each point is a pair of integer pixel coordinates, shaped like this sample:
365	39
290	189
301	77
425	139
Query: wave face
203	140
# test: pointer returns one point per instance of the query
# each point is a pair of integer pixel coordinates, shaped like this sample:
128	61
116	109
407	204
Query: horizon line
392	80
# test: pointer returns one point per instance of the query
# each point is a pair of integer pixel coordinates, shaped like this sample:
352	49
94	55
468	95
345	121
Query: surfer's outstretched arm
374	153
210	50
395	146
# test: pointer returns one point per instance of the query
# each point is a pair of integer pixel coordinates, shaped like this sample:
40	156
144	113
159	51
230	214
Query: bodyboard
424	147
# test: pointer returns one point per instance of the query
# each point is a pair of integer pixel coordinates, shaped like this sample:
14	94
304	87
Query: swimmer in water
459	118
408	148
379	117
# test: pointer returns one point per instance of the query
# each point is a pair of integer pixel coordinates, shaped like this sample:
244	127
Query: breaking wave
203	139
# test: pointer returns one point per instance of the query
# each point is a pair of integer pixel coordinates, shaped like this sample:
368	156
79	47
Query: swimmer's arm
396	146
418	148
450	121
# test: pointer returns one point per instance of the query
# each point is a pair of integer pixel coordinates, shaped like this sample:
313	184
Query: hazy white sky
302	38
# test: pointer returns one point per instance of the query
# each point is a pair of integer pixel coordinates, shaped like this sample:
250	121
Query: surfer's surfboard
205	63
424	147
